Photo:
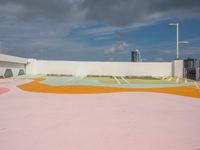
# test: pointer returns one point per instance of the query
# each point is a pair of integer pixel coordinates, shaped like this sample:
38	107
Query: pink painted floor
119	121
3	90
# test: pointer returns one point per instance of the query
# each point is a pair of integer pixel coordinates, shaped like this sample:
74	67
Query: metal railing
192	73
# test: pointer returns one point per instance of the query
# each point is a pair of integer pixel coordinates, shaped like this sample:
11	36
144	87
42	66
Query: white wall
177	68
80	68
15	67
31	66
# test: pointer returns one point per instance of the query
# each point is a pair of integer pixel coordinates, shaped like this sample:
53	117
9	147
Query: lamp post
177	39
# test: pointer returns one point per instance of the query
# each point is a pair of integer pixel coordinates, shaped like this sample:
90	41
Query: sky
99	30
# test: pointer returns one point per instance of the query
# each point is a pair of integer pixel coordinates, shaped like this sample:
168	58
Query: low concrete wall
31	67
177	68
82	68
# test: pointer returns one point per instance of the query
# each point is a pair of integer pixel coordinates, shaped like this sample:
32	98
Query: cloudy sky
98	30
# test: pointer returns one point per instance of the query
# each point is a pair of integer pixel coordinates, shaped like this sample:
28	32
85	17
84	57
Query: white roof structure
13	59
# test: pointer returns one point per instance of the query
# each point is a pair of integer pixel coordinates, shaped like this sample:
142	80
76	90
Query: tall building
135	56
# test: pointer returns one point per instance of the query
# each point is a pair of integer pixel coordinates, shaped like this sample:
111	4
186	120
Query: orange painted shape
35	86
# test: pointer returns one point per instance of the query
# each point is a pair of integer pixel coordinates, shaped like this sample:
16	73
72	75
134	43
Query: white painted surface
125	80
15	67
81	68
13	59
118	82
31	67
177	68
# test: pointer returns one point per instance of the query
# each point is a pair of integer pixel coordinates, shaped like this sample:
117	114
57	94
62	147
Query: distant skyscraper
135	56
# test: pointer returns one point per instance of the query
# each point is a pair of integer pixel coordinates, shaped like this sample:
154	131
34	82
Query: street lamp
177	38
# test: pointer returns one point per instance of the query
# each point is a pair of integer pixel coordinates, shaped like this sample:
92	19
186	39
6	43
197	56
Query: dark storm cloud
112	12
125	12
31	9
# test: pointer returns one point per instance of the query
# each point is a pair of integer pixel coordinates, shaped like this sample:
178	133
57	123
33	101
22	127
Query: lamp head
183	42
173	24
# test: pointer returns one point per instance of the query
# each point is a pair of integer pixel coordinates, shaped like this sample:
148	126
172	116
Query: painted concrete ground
112	121
76	85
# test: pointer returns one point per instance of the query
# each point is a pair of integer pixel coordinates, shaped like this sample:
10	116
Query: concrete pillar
31	67
177	68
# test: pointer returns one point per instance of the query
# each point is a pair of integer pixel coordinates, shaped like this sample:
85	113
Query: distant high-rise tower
135	56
